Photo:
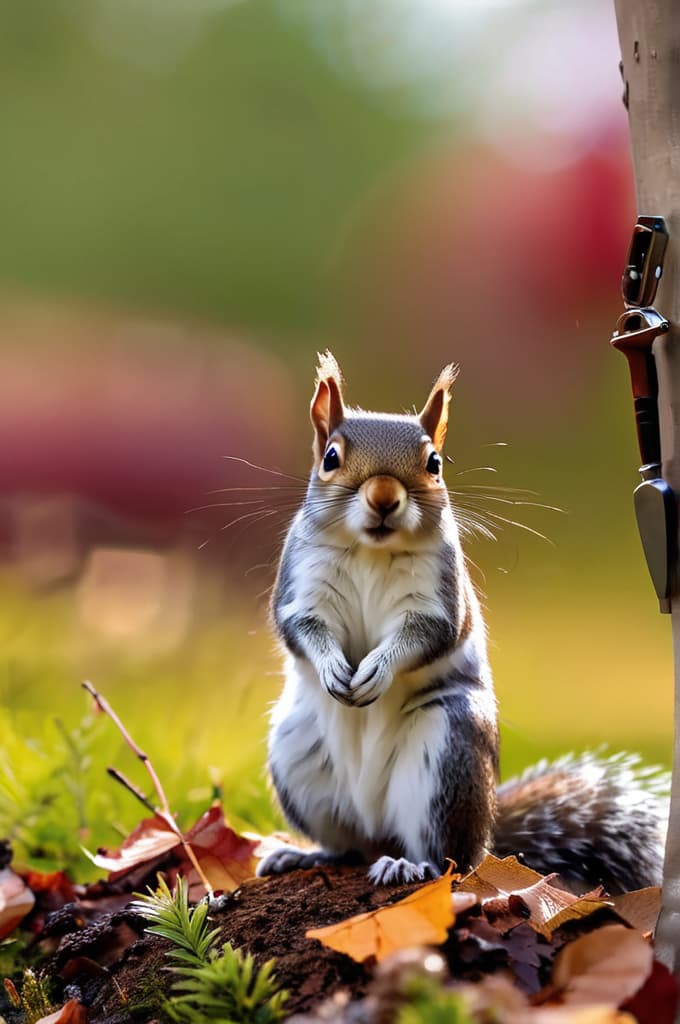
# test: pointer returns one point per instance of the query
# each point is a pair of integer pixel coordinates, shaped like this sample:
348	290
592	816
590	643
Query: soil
119	972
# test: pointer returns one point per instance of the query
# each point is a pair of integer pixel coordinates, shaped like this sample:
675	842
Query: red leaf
72	1012
226	857
657	1001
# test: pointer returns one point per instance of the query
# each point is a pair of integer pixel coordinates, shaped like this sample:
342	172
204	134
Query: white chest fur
363	593
360	775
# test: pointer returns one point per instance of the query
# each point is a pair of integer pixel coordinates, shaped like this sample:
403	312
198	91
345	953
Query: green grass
574	668
199	711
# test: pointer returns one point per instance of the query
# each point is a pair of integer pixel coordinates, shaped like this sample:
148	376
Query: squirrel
384	746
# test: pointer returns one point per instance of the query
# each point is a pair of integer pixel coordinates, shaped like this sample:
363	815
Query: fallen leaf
581	907
151	838
640	909
605	967
16	899
513	894
496	876
657	1001
227	858
421	919
73	1012
495	998
574	1015
54	883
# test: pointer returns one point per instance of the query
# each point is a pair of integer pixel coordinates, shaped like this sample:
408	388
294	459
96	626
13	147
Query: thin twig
164	810
131	788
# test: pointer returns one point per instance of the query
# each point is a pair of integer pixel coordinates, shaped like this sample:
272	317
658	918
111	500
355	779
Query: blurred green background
196	196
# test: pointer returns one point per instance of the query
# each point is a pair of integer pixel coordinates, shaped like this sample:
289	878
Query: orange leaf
54	883
605	967
16	899
421	919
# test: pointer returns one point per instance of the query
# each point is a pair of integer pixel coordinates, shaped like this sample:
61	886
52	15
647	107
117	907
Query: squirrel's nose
384	495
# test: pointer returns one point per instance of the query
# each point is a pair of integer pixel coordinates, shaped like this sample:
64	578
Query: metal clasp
635	332
644	263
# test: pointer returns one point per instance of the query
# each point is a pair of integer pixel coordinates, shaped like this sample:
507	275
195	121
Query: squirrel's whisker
264	469
477	469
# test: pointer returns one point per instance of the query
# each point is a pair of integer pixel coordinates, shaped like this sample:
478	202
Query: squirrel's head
377	477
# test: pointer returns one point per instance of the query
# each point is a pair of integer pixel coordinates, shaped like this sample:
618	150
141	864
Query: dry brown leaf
421	919
227	858
513	894
539	903
16	899
73	1012
151	838
605	967
498	877
640	909
582	906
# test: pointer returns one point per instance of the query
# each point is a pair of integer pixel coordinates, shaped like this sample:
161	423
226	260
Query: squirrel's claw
335	675
291	858
373	676
400	871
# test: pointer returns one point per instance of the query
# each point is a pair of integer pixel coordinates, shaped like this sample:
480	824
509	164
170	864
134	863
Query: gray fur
384	740
595	820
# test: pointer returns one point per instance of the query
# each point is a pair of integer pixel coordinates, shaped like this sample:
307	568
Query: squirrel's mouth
379	532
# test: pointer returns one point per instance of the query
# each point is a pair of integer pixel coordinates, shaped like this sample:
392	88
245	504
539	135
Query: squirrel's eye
331	459
434	464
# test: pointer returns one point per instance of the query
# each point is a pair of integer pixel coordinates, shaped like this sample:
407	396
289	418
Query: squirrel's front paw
372	678
336	674
399	871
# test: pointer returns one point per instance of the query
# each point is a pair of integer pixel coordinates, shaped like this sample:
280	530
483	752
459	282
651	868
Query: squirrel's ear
327	409
435	414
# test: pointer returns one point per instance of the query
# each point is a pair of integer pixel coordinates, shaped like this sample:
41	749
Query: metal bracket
654	501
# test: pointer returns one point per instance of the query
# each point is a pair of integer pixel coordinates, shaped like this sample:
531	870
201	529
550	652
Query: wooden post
649	35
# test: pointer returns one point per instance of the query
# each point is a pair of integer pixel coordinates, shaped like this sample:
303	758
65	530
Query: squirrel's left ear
435	414
327	409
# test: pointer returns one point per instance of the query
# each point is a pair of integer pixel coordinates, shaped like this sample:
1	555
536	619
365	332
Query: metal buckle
644	263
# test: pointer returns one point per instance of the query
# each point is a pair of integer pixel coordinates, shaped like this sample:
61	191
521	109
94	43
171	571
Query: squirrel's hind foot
291	858
399	871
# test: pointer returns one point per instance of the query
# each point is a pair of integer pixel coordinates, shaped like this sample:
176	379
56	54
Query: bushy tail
594	820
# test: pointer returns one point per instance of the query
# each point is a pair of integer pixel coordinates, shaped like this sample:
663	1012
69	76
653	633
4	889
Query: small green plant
429	1003
33	999
228	988
222	985
186	927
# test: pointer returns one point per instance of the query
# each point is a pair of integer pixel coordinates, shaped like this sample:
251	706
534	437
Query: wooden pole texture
649	36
